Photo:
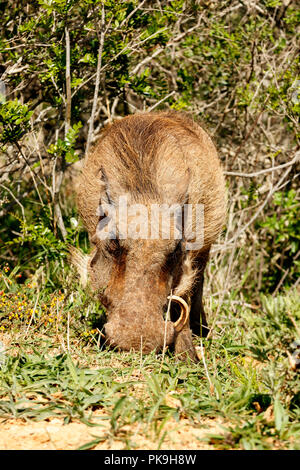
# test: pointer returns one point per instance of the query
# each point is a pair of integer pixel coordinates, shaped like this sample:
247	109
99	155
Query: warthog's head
153	160
140	263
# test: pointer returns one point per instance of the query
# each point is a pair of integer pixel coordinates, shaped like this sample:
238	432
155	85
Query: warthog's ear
106	194
106	207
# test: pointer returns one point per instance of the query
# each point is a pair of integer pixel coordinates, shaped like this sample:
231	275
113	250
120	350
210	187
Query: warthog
152	161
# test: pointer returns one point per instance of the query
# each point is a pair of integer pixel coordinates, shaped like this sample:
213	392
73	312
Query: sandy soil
53	435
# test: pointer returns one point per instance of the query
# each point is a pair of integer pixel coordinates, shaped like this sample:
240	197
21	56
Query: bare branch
267	170
250	222
68	83
97	84
161	101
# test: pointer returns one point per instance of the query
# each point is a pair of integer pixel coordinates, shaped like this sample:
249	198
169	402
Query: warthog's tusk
184	314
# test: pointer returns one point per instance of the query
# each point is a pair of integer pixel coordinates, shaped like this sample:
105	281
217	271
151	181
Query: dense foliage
70	67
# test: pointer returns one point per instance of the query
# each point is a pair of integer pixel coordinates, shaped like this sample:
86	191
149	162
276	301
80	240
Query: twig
131	14
32	173
68	84
284	275
32	315
294	323
270	194
161	49
57	181
68	332
128	46
161	101
18	202
146	60
211	386
97	84
261	172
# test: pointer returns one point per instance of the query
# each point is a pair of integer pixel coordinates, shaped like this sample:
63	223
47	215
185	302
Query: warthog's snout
141	334
146	332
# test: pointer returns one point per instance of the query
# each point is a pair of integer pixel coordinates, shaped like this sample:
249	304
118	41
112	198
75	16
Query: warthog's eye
114	248
172	258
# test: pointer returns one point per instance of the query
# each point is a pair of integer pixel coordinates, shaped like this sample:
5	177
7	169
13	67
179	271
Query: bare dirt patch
54	435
